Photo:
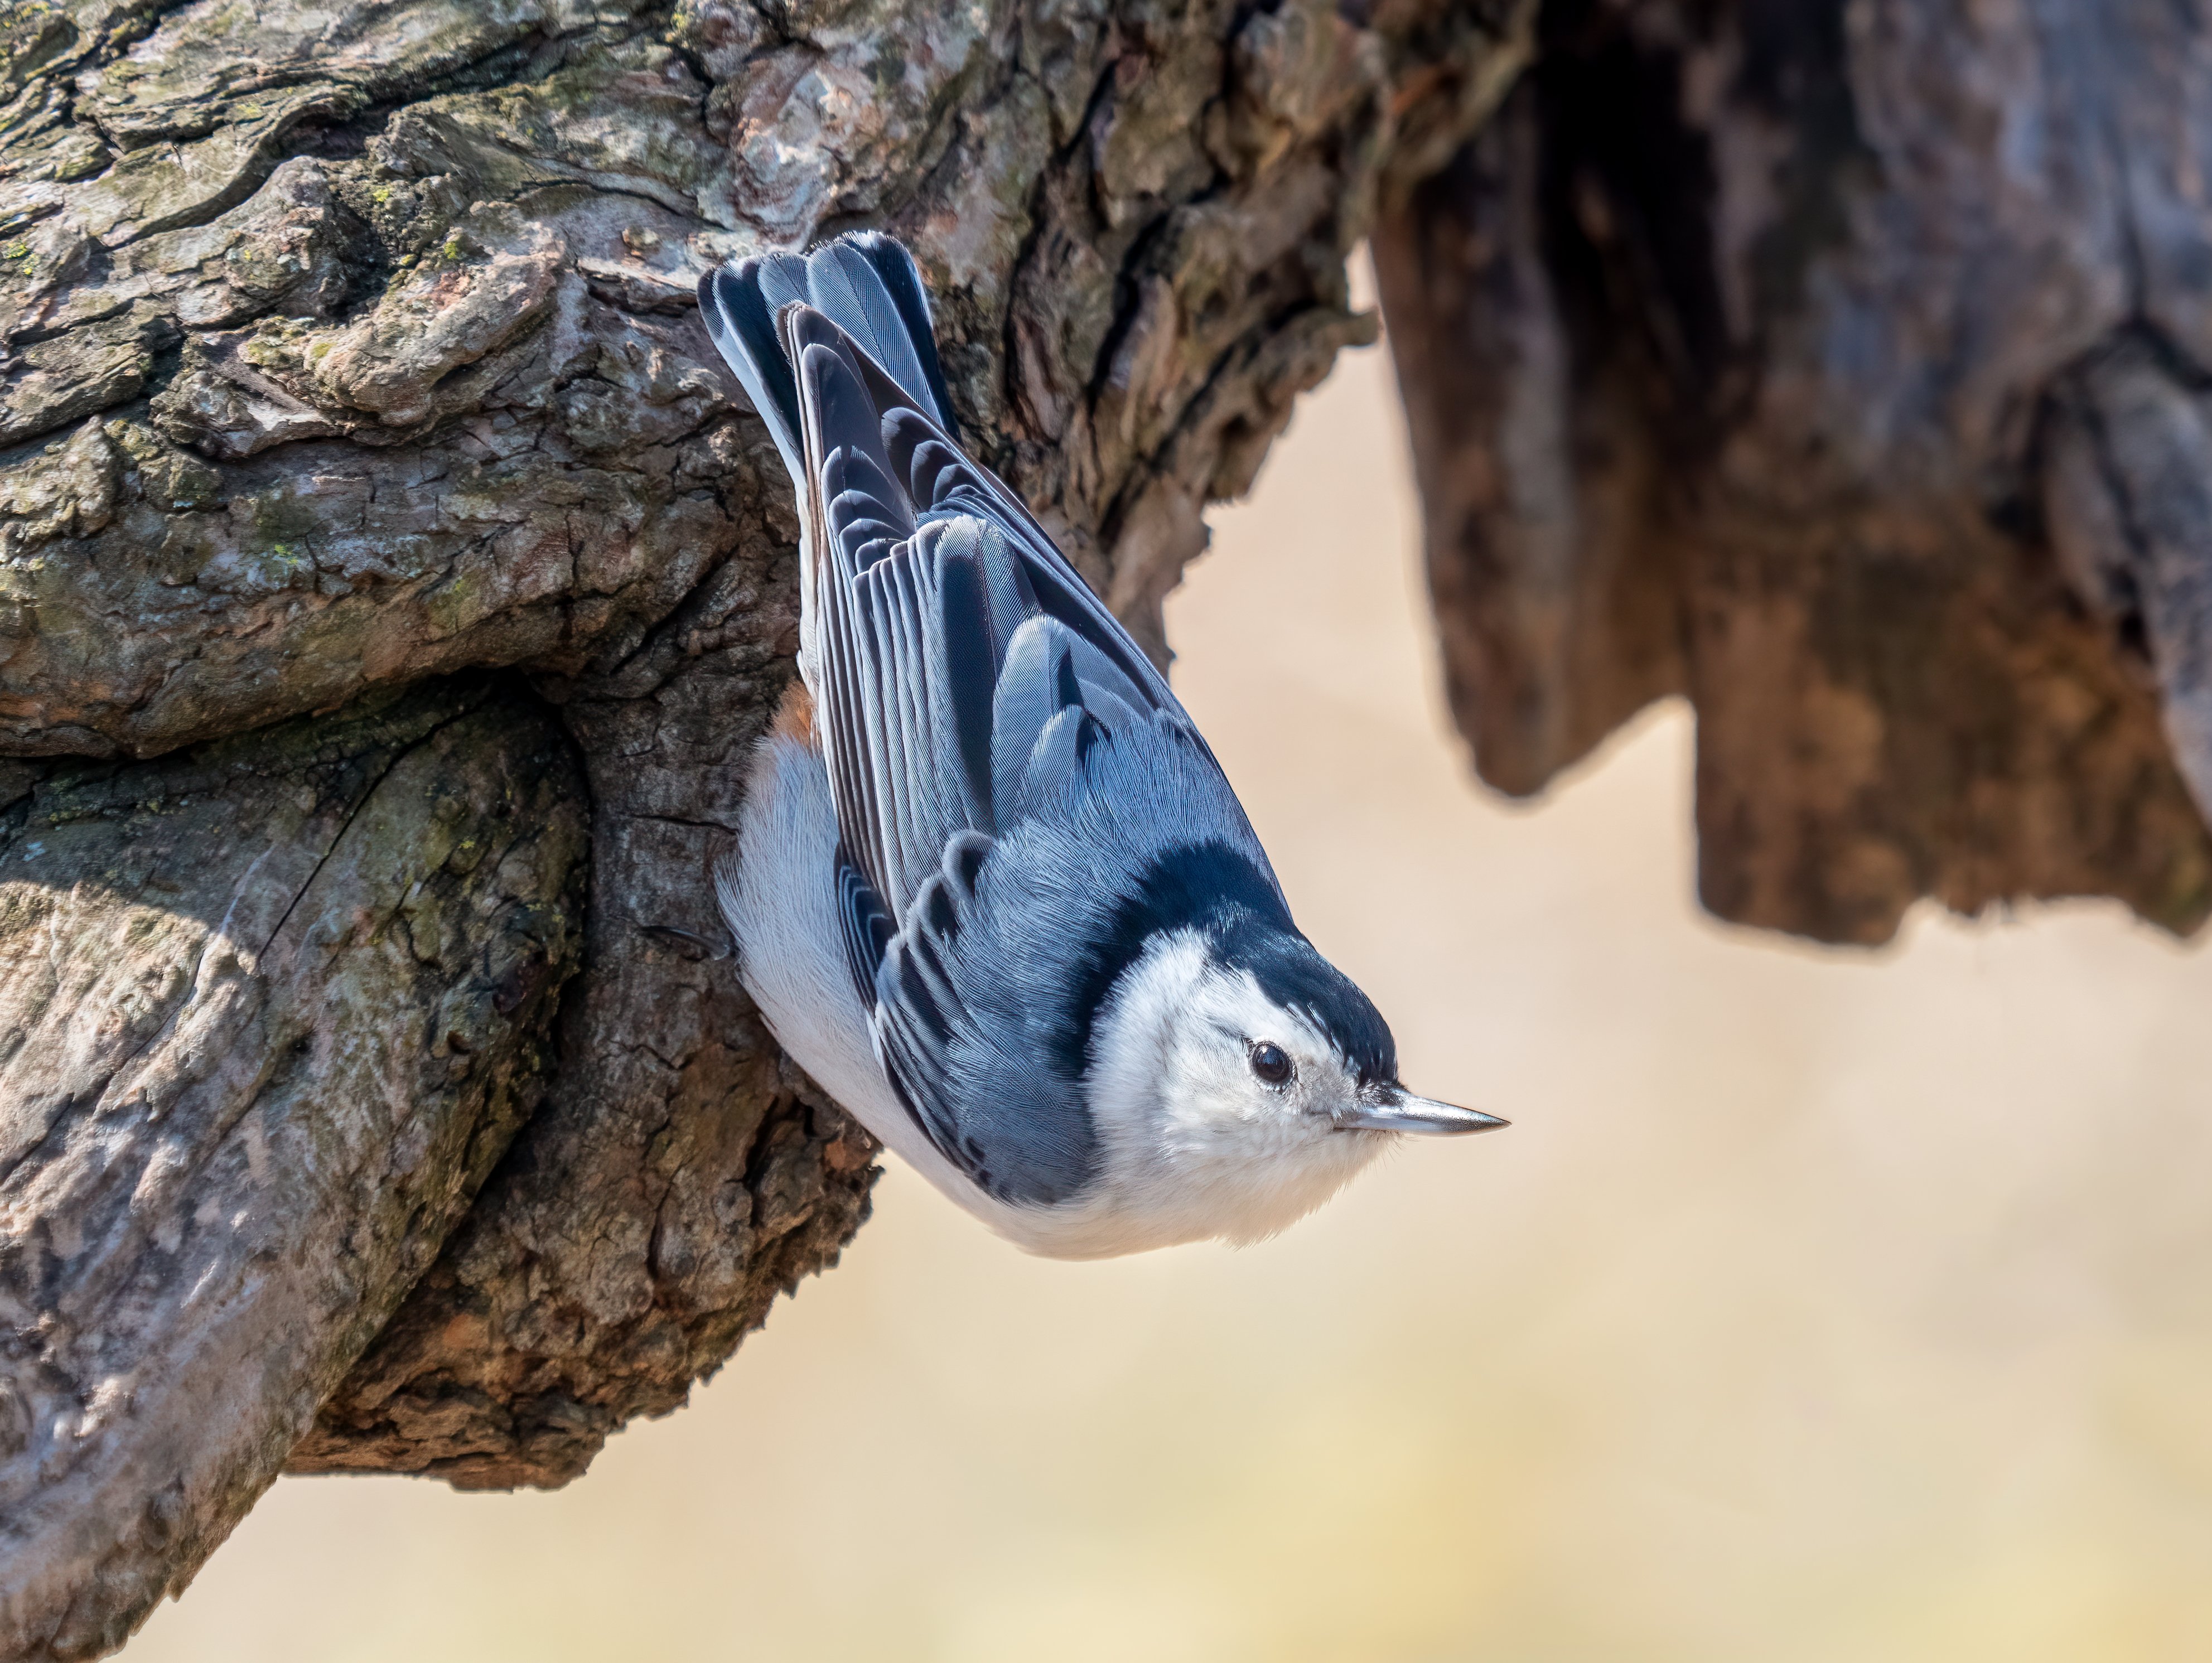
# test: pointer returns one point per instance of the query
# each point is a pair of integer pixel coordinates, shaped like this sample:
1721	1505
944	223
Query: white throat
1188	1152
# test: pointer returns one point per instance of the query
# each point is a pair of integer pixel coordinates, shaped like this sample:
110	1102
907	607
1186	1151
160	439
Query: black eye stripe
1270	1063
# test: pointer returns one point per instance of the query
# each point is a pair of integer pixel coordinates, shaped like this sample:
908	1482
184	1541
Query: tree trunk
1845	369
377	532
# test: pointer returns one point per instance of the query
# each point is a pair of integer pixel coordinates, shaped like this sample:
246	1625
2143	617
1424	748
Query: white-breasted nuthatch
993	891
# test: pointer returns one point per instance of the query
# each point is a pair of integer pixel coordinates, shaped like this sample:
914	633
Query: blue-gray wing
951	706
965	681
963	669
977	1088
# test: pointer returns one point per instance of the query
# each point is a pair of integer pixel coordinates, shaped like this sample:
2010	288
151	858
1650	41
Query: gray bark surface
1843	369
351	350
273	1005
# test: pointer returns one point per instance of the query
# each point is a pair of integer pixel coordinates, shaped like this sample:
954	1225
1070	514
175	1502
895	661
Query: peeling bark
350	352
1837	367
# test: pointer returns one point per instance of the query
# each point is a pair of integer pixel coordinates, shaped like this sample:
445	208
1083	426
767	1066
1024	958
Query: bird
991	888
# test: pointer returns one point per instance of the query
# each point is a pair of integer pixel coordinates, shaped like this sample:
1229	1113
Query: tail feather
866	284
743	326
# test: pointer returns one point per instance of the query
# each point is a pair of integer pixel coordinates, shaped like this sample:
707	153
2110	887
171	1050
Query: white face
1217	1106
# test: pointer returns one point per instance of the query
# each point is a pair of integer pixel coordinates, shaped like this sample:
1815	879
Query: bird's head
1238	1080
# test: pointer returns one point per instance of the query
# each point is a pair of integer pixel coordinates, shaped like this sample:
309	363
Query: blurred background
1820	1304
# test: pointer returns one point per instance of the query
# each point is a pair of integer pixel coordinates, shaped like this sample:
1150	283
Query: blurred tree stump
1847	368
391	584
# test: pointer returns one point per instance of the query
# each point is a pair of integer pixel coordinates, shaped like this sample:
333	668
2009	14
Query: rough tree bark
274	1005
1843	366
377	536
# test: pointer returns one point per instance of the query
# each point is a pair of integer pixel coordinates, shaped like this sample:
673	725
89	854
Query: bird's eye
1270	1062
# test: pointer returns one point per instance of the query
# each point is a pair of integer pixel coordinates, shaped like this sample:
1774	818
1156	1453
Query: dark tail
866	284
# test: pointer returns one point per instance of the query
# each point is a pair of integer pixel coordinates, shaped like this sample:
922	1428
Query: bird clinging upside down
993	891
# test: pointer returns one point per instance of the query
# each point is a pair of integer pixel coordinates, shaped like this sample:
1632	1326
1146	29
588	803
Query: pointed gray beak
1394	1109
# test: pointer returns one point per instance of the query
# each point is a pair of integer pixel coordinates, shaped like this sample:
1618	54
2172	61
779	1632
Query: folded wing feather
963	675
